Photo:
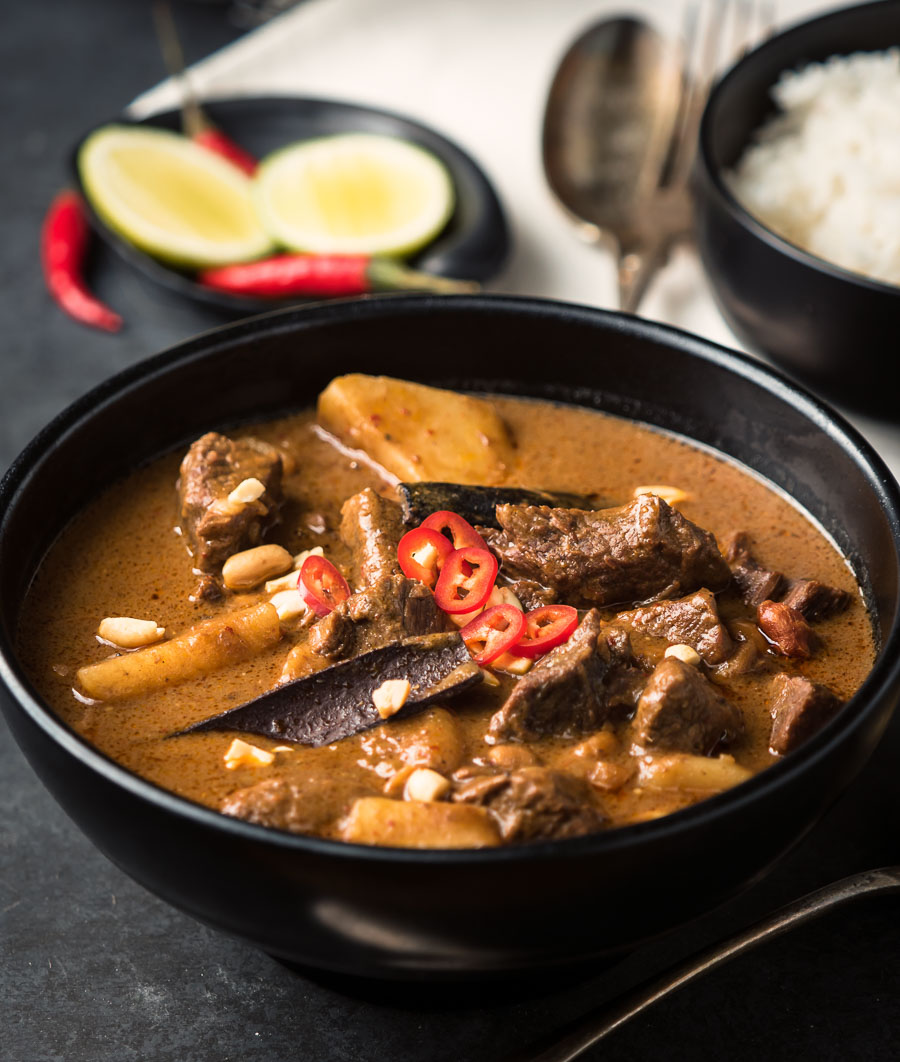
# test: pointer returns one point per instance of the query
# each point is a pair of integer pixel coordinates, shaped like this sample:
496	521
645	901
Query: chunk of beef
372	526
682	710
751	653
386	611
563	692
625	678
745	660
640	552
332	636
211	469
619	644
305	806
692	621
754	582
208	589
571	691
394	607
534	803
787	631
815	600
799	708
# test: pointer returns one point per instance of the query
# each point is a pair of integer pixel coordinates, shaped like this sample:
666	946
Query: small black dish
403	913
835	330
474	245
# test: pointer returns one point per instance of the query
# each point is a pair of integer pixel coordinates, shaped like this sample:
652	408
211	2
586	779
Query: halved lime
356	193
170	197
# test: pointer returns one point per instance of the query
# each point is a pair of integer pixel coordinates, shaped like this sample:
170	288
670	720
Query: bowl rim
714	173
884	675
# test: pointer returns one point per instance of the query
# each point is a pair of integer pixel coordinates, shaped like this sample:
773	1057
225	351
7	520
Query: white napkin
478	71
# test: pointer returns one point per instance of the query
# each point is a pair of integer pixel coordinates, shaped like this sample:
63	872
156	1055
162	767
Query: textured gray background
93	968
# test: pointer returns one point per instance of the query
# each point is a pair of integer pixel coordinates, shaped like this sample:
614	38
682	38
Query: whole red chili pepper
324	274
64	240
215	140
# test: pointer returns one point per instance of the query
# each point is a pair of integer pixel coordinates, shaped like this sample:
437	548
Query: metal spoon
584	1033
621	123
611	118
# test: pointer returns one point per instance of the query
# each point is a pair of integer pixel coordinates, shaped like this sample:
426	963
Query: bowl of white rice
797	191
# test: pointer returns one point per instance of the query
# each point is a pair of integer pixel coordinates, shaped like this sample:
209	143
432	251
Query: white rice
825	173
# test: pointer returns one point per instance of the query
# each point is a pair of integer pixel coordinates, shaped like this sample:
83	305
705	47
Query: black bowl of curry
450	669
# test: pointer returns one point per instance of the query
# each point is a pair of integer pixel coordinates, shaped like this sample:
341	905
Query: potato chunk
418	432
697	773
413	824
208	646
432	738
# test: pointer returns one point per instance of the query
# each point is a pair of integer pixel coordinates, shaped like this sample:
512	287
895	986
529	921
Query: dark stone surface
94	969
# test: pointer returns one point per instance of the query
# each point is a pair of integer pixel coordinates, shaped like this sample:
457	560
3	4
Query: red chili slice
492	633
466	580
455	527
421	554
546	627
321	585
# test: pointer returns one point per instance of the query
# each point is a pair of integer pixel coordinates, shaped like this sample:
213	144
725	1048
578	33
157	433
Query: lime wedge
354	194
170	197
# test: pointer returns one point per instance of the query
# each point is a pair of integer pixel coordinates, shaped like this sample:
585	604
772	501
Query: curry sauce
125	555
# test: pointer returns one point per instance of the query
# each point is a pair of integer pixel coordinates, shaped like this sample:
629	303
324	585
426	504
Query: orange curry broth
122	556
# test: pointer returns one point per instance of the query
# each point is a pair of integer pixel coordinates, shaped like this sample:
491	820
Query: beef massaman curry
418	618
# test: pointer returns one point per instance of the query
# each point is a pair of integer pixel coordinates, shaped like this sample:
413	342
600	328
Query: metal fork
713	35
568	1044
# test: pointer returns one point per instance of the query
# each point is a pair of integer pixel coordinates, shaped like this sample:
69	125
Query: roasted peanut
787	630
670	495
425	784
390	696
316	551
288	604
247	491
243	754
289	581
512	665
509	757
245	570
610	777
283	582
685	653
129	633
